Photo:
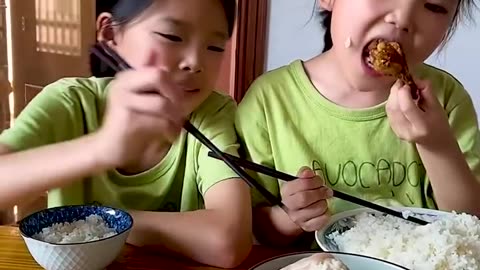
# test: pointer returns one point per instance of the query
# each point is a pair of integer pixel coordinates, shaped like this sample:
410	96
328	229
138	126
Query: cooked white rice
450	242
81	231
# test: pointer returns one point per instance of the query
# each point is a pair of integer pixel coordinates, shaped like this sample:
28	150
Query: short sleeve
52	116
252	130
215	119
464	123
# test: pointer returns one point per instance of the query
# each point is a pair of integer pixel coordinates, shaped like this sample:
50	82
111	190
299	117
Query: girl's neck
330	80
153	156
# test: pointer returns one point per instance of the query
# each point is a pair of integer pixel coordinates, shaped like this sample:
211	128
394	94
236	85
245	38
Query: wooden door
250	45
245	53
50	40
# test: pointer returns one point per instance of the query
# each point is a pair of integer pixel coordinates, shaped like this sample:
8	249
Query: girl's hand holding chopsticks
344	196
142	113
305	201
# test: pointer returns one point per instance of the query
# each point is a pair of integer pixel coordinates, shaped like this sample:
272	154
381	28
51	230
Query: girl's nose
192	63
402	16
191	68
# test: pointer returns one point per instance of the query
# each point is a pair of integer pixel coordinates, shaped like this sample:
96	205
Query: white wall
461	58
294	34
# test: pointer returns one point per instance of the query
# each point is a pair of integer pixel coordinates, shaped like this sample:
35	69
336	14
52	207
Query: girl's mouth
367	55
193	90
380	57
367	61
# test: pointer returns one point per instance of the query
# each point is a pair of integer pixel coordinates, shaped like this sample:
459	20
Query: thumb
305	172
427	93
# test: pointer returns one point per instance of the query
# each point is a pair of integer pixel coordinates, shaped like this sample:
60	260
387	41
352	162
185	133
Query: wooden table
14	255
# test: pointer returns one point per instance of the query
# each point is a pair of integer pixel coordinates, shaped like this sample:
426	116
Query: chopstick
110	57
115	61
228	160
287	177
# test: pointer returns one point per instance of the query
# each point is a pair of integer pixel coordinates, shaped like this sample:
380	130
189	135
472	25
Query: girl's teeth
369	62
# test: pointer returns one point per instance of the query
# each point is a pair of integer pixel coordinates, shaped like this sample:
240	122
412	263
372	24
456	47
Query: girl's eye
436	8
216	49
170	37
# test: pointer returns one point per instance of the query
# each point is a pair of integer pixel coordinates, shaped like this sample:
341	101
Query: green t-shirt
285	123
70	108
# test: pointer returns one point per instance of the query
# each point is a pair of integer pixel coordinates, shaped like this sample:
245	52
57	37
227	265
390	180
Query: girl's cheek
163	57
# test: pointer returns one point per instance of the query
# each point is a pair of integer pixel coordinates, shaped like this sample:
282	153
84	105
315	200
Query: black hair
125	11
464	9
326	17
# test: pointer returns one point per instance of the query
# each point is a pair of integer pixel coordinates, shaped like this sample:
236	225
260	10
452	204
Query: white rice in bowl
91	229
448	243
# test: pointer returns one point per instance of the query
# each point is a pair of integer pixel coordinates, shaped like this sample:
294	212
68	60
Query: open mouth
388	59
367	56
383	57
368	60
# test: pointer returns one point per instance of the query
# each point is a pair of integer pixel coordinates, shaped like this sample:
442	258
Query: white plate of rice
450	241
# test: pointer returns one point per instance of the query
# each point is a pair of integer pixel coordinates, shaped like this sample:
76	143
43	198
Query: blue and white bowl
92	255
344	221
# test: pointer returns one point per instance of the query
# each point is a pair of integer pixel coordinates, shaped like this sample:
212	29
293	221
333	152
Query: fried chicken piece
387	57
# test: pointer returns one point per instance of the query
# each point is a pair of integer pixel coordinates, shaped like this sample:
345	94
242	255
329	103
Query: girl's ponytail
326	17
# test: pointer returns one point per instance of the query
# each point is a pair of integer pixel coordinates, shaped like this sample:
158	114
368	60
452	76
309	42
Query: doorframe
17	21
250	42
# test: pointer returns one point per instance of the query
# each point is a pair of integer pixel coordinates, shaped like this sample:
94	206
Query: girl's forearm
454	185
203	236
27	173
273	226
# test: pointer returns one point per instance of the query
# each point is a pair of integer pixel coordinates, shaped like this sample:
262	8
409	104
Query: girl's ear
105	28
326	4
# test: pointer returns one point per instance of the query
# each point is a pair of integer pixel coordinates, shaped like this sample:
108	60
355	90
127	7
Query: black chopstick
96	50
237	169
257	167
116	62
287	177
121	63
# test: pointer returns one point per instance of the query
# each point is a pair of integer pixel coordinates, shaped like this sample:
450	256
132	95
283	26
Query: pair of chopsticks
286	177
116	62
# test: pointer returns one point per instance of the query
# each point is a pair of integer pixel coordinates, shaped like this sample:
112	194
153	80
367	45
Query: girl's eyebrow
447	2
183	24
220	35
174	22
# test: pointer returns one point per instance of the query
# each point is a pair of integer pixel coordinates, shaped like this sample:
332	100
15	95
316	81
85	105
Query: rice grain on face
91	229
450	242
